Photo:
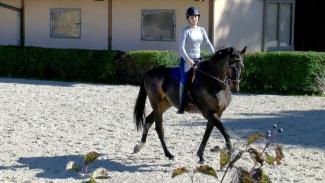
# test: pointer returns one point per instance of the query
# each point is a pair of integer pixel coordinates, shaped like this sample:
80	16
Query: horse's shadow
55	167
302	128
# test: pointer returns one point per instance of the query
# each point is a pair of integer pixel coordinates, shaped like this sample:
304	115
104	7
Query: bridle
226	81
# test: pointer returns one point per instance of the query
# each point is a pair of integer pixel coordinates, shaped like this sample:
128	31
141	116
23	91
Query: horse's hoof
172	158
201	161
136	149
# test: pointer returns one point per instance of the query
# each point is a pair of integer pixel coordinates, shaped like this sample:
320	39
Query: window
65	23
278	25
158	25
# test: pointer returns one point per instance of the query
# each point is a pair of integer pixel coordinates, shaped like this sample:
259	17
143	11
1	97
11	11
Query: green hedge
271	72
284	72
58	64
134	64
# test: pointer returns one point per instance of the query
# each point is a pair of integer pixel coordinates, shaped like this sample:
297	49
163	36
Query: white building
145	24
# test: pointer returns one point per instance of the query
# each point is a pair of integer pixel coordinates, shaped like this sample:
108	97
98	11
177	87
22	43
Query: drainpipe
22	23
109	26
21	12
211	21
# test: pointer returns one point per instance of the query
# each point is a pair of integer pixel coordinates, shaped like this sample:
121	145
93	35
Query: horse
210	92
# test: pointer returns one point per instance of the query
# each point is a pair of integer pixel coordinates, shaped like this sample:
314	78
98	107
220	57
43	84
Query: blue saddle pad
174	72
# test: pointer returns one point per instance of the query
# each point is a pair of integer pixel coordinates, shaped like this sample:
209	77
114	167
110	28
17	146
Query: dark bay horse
210	92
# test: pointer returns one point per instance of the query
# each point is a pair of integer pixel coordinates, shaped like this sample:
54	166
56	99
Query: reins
207	74
215	78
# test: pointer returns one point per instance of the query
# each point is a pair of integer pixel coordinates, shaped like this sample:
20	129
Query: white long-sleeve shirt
191	40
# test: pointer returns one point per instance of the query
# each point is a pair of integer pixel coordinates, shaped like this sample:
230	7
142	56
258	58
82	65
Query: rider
191	38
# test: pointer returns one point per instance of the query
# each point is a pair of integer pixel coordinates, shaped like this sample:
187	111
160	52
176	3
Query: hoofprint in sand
45	124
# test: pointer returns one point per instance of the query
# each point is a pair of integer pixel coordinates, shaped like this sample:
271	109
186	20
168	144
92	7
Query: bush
134	64
97	66
284	72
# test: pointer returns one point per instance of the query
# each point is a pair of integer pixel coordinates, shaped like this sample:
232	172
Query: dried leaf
71	165
237	157
260	177
256	156
269	159
278	154
179	171
224	158
265	179
90	181
90	157
254	138
241	176
100	173
206	169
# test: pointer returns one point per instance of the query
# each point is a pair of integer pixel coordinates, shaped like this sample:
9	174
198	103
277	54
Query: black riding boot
182	99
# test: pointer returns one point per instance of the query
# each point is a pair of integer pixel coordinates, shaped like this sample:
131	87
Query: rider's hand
191	62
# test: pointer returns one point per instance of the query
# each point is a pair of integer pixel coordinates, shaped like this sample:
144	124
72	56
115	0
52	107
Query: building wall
9	24
94	24
126	23
238	23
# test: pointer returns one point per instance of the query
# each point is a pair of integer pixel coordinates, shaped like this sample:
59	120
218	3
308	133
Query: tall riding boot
182	99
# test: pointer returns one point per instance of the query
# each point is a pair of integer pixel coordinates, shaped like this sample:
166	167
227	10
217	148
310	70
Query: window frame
292	19
155	11
52	34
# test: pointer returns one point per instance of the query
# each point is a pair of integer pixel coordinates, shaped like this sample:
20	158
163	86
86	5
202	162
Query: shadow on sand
303	128
54	167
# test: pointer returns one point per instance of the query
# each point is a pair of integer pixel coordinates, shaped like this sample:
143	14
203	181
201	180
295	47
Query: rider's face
193	19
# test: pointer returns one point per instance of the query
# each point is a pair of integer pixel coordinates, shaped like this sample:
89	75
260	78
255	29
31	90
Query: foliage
97	66
284	72
240	174
134	64
99	173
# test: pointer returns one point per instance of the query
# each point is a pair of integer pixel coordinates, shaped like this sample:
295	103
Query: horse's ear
243	51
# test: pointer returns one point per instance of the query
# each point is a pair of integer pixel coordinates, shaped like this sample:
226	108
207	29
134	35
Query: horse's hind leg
148	123
160	132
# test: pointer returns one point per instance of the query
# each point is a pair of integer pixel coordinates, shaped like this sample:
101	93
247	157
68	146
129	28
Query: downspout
263	26
109	26
211	21
22	24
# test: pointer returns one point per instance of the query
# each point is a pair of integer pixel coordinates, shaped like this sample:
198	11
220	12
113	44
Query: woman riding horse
191	38
210	91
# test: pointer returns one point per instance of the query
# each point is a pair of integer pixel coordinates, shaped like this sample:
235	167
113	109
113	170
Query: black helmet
191	11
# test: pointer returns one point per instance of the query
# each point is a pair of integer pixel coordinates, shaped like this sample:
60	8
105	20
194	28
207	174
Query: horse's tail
139	108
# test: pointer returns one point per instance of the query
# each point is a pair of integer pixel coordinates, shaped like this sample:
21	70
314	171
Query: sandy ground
45	124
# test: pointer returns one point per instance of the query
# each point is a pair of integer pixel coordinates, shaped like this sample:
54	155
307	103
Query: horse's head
236	64
227	63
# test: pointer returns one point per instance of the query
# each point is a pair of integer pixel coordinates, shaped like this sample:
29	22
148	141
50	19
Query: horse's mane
222	52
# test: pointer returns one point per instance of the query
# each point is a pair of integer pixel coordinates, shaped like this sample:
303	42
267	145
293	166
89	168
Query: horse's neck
215	70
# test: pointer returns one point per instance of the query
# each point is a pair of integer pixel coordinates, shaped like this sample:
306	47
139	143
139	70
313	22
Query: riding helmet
191	11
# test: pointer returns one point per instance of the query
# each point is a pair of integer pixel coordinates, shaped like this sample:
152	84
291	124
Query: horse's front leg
160	132
218	123
148	123
213	121
205	139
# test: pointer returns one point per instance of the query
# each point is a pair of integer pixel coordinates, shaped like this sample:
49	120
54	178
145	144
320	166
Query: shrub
284	72
97	66
134	64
